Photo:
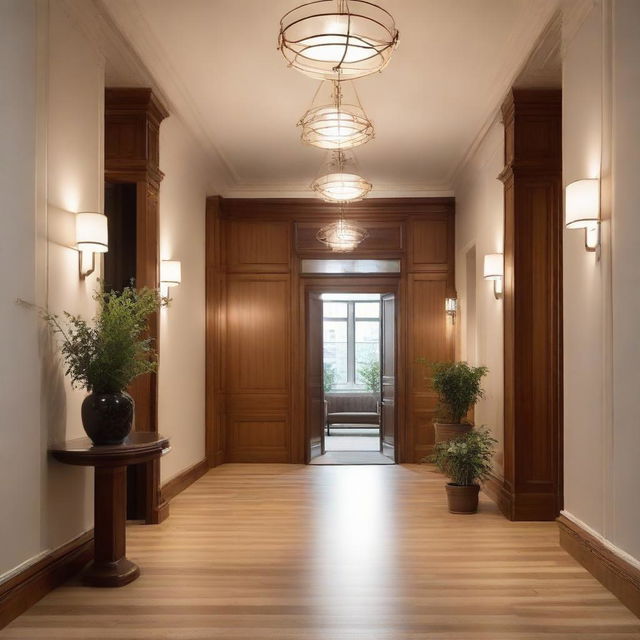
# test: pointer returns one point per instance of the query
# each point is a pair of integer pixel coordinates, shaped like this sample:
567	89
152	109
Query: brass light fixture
337	39
336	121
342	236
339	180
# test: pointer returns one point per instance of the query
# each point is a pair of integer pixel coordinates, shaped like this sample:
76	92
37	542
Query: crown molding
522	42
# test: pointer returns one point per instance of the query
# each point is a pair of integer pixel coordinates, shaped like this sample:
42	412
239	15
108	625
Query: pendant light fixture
342	236
339	180
336	119
337	39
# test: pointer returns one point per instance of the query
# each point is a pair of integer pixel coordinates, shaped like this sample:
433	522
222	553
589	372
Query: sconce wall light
170	273
451	307
582	210
92	236
494	270
170	276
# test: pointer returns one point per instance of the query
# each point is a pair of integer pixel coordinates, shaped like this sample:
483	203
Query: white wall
602	297
20	452
52	119
480	224
181	375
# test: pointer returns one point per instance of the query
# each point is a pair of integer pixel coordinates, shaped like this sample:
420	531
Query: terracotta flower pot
446	431
462	498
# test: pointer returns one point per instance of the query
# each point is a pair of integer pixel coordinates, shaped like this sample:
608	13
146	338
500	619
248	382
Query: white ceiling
217	63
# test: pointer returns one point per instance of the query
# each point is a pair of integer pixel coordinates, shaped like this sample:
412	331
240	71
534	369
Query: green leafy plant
458	387
329	377
370	374
466	459
104	356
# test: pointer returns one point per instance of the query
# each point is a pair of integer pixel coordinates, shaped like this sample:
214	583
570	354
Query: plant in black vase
106	355
467	461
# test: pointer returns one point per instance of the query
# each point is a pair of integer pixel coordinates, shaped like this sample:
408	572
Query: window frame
351	320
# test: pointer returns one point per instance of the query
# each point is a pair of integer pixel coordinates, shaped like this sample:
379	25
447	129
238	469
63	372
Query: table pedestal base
110	574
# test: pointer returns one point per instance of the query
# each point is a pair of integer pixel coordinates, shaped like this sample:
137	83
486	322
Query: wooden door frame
355	284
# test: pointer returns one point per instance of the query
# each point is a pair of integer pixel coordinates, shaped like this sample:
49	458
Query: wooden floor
282	552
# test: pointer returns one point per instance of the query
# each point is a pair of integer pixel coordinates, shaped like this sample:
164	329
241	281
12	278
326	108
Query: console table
111	567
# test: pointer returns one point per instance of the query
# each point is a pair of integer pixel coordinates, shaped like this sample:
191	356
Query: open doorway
354	340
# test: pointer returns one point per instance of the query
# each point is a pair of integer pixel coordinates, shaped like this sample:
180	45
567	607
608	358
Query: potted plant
458	386
370	374
105	356
467	461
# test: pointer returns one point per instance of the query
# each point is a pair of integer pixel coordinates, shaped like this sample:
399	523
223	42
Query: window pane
350	266
335	362
335	309
335	331
368	364
367	310
367	331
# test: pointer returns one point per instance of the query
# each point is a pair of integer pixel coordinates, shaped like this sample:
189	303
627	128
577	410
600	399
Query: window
351	329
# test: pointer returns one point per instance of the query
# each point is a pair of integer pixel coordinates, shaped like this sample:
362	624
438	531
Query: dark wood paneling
23	590
383	238
533	306
256	397
430	337
132	133
617	575
257	334
258	246
430	246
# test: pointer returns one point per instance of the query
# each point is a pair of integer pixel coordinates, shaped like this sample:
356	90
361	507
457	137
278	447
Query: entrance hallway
288	552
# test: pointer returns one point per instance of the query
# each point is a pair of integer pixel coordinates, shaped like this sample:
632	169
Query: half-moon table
111	567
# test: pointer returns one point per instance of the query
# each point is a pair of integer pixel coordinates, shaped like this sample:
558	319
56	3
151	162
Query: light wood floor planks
285	552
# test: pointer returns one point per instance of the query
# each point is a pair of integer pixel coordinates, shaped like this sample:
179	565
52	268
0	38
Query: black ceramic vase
107	417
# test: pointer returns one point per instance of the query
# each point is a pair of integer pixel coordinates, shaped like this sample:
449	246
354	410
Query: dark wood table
111	567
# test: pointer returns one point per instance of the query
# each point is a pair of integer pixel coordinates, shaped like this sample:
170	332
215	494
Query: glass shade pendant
337	39
337	121
340	181
341	236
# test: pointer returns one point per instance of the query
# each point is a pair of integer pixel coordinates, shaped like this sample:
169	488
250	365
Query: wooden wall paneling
428	338
215	284
257	367
258	246
132	155
532	177
385	237
264	415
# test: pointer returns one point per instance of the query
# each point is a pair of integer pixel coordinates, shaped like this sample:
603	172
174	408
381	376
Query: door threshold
351	457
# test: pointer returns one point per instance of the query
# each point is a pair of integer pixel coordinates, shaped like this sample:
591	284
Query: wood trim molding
179	483
616	574
24	589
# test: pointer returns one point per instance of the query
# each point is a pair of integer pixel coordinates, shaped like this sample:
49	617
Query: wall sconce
494	270
170	275
582	210
92	236
451	307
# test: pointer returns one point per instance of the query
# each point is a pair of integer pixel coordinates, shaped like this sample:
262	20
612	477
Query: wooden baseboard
616	574
180	482
492	486
24	589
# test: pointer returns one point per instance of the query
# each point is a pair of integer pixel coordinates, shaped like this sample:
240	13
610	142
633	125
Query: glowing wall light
494	270
92	236
582	210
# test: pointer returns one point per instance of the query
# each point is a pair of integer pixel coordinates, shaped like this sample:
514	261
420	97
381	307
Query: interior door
315	389
388	376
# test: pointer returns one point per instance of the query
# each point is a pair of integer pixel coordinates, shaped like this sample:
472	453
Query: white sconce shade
582	204
493	266
92	233
582	210
170	273
494	270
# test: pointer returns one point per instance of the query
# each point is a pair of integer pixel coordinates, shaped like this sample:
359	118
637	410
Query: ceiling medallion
339	180
342	236
338	39
337	121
